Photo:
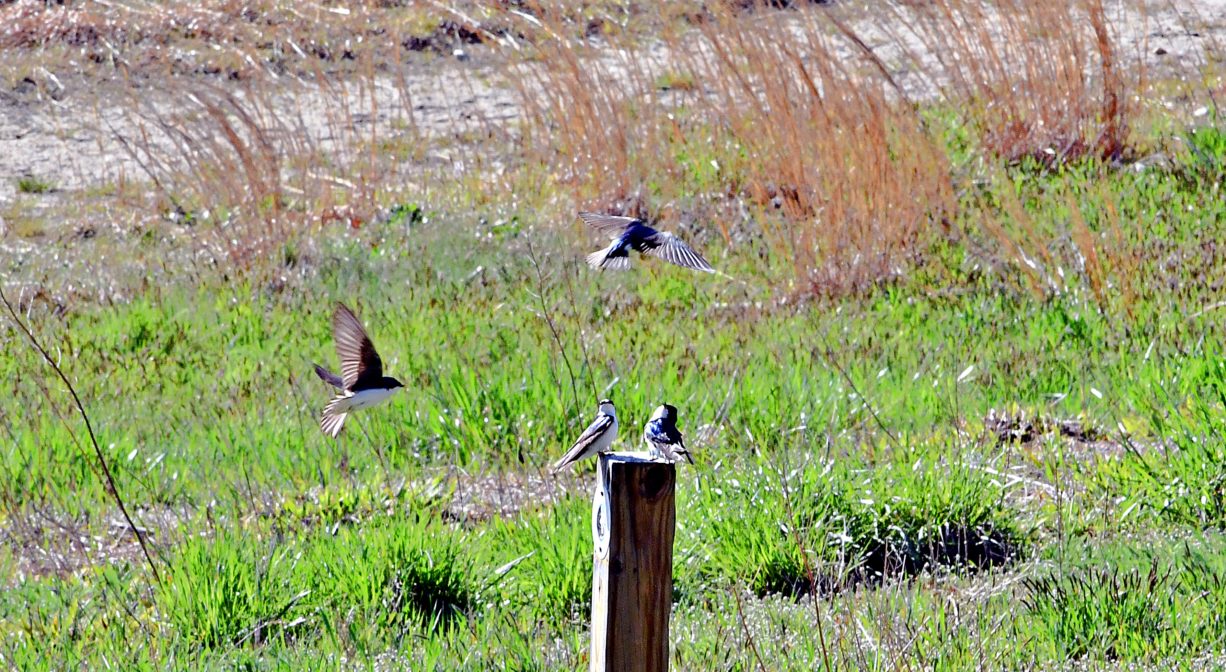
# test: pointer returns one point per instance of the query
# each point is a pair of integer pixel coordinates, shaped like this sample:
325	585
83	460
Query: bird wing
668	443
329	377
594	431
359	361
672	249
607	223
656	432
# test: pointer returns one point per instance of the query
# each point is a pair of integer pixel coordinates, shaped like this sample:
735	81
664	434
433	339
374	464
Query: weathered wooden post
633	520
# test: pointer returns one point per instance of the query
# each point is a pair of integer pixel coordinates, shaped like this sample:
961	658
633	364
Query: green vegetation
843	449
33	185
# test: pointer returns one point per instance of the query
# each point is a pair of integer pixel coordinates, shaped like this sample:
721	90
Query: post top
634	457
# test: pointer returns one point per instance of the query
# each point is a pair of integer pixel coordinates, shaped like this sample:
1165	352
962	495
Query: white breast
368	398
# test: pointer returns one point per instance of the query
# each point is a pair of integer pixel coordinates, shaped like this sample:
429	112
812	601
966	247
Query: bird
631	233
662	437
361	383
597	438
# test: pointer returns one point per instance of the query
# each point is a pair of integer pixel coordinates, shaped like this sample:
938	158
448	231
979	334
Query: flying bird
361	383
662	437
597	438
633	234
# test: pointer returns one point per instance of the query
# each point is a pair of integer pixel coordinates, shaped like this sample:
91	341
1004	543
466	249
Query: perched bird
633	234
597	438
662	437
361	383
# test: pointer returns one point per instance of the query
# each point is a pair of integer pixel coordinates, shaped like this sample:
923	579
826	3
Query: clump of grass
24	224
228	590
843	525
755	541
30	184
1179	478
1206	147
1107	610
366	587
387	578
673	81
936	516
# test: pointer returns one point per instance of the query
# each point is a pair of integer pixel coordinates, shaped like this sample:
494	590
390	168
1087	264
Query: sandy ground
76	139
72	134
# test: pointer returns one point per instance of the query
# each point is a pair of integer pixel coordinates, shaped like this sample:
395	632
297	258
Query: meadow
961	403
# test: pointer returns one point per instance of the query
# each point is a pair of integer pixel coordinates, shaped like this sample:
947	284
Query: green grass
1132	602
33	185
849	505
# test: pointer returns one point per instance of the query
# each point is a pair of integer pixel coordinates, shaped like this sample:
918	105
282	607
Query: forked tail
602	259
597	258
334	415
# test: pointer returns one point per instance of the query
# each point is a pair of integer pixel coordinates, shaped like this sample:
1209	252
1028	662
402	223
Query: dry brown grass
809	138
836	172
1042	80
249	172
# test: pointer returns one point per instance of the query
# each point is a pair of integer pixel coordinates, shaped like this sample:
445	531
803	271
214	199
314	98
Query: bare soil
74	133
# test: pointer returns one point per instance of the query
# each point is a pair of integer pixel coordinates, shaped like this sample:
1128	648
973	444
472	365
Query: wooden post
633	521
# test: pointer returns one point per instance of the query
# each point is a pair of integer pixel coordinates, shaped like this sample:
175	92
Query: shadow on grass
842	530
956	547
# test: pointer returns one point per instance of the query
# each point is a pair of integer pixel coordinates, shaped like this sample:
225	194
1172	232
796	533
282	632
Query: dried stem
106	469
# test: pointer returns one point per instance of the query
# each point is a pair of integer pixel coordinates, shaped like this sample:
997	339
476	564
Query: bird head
665	412
392	383
606	407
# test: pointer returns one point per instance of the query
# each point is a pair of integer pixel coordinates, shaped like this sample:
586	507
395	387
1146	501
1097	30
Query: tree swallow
662	436
630	233
597	438
361	383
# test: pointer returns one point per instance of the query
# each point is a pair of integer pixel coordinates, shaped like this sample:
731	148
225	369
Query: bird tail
596	259
600	259
329	377
333	418
561	463
566	460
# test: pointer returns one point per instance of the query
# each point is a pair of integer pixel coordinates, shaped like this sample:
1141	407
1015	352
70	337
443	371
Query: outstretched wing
359	361
672	249
607	223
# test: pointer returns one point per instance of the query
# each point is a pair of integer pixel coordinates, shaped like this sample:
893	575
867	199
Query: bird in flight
361	383
597	438
662	436
633	234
